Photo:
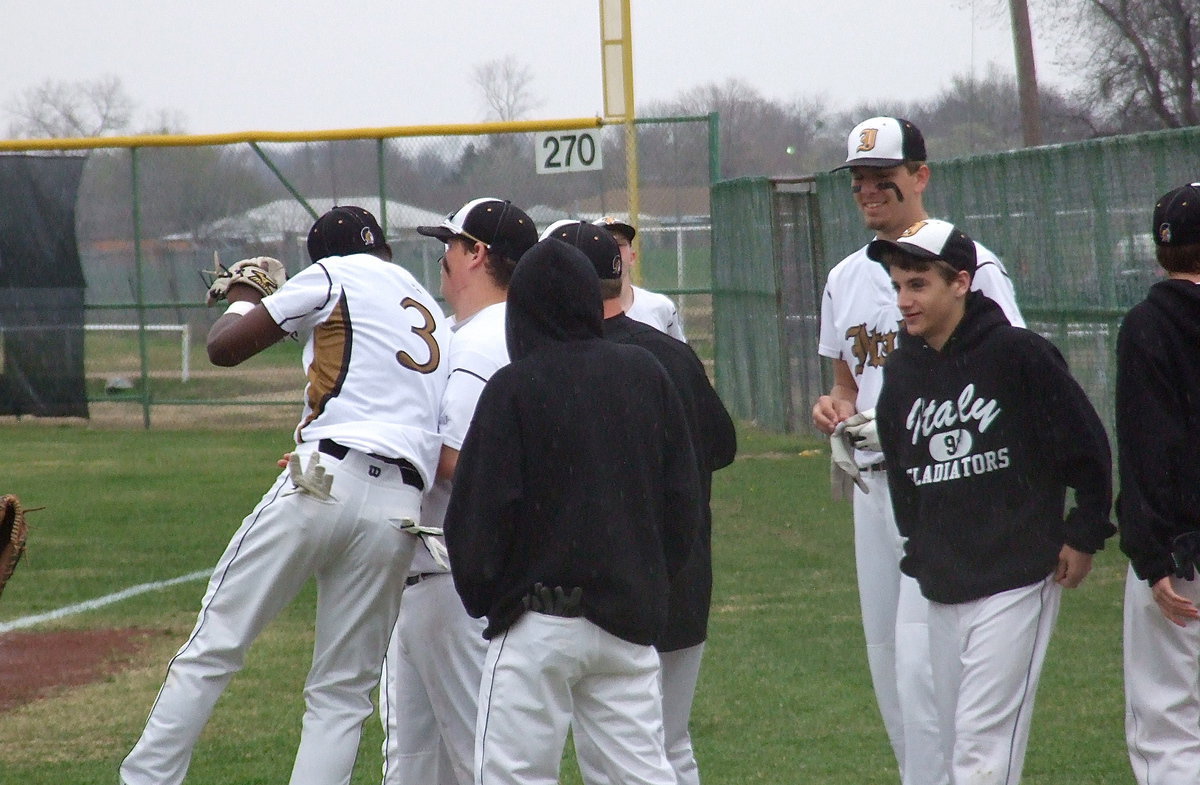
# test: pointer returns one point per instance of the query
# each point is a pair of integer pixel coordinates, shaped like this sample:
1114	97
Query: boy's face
930	305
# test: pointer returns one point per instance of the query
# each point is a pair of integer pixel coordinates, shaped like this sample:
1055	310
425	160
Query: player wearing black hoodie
681	645
1158	443
558	531
983	430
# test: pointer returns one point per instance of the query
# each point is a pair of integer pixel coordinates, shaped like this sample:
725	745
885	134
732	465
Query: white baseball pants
680	670
1162	687
355	548
894	617
987	658
430	687
545	672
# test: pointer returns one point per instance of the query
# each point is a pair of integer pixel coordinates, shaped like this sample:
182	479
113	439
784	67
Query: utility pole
1027	88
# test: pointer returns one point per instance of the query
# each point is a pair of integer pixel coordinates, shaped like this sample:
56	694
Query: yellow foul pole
616	56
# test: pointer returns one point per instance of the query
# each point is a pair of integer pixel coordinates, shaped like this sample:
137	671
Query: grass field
784	696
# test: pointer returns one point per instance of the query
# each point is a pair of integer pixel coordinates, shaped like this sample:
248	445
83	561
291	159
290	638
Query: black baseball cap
597	245
883	142
345	230
497	223
1177	216
931	239
622	228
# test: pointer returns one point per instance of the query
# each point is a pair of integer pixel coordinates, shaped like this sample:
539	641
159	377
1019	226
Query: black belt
875	467
413	580
408	472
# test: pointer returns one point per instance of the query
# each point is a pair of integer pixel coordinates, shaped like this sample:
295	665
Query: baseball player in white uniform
368	442
430	689
859	325
652	308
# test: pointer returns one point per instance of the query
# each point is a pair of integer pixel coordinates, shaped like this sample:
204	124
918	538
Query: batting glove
1185	550
313	480
864	430
554	602
844	473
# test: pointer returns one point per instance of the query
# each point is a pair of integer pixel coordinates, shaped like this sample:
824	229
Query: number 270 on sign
567	151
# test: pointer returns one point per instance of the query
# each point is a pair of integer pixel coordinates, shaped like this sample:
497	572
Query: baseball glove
261	273
13	533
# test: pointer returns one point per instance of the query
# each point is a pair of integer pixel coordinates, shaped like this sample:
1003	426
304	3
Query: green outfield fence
1070	222
153	211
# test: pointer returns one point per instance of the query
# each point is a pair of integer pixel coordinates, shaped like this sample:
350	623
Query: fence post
143	351
714	147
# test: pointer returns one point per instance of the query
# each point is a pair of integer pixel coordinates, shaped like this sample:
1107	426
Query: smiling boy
886	159
983	430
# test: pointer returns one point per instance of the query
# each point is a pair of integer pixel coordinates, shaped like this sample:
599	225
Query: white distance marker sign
567	151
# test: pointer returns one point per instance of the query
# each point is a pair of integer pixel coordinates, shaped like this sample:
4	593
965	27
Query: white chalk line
99	602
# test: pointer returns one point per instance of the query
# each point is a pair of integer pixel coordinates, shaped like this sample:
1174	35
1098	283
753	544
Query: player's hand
1178	609
1073	567
829	411
282	463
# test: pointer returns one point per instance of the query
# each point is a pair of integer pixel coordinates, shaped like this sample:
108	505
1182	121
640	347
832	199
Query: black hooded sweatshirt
981	441
714	440
1158	425
577	451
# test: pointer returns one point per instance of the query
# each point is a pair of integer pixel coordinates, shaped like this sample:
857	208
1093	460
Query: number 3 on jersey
425	333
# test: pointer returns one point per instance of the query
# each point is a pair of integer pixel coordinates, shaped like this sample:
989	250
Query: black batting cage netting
41	288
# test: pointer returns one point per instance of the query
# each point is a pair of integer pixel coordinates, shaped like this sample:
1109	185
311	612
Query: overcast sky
239	65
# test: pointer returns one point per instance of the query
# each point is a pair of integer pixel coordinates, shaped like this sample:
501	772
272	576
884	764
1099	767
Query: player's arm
1150	439
246	328
839	404
235	337
447	463
1072	436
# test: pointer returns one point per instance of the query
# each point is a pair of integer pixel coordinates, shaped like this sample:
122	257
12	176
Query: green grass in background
784	695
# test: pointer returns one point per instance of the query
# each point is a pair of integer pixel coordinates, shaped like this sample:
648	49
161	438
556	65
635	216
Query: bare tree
57	109
1140	59
505	86
758	135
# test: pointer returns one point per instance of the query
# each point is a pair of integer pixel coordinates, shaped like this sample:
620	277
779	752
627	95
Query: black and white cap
597	245
883	142
931	239
497	223
1177	216
345	230
623	228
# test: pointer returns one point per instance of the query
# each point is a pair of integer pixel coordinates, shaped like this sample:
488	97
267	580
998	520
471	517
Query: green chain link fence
1070	222
149	217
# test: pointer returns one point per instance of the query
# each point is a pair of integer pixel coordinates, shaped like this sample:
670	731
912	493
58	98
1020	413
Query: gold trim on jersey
332	341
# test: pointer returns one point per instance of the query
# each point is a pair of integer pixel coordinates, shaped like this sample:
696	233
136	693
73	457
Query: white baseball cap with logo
883	142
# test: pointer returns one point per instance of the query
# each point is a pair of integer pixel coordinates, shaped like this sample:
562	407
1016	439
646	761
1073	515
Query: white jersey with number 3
373	354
